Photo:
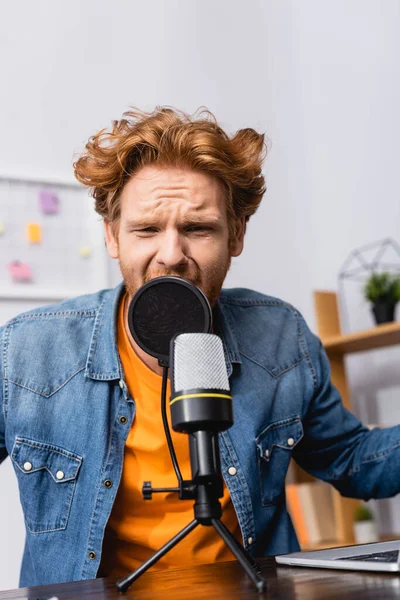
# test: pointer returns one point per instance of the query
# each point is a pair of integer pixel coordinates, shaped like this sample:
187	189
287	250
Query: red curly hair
168	137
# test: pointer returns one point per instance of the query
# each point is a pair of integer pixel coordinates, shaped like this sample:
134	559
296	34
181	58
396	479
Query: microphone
200	394
201	405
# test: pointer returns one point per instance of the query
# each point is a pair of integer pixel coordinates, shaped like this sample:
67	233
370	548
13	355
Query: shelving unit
337	346
378	337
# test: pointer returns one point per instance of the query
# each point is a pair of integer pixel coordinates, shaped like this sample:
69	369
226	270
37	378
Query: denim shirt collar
103	362
224	329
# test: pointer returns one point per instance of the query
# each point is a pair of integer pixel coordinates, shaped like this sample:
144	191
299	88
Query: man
80	412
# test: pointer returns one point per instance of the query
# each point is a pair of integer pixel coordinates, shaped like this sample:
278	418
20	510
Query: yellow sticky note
2	228
85	251
34	233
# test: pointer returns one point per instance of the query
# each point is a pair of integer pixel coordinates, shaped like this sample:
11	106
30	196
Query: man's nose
171	252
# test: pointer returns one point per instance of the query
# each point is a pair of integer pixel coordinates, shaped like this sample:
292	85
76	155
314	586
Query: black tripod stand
205	488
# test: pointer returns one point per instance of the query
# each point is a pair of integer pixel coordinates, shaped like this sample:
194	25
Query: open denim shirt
66	413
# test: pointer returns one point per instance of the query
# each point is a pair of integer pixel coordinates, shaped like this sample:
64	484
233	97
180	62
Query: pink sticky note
19	271
48	202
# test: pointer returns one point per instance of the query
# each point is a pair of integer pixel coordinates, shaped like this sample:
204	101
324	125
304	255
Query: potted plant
364	525
383	290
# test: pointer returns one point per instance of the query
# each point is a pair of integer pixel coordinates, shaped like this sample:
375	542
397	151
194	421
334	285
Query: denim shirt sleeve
337	447
3	449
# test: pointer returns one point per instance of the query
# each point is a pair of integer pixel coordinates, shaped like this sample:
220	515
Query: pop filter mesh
199	363
164	310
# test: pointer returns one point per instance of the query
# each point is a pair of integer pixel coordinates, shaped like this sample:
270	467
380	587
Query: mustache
194	277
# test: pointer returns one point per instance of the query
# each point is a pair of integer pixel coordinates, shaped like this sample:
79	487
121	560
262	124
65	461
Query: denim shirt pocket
274	450
47	477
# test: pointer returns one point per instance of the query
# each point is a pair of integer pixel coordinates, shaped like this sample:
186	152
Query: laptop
379	556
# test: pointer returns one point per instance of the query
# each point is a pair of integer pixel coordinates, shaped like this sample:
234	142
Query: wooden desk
226	581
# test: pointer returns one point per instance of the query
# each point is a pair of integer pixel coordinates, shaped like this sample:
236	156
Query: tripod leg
240	547
241	555
125	582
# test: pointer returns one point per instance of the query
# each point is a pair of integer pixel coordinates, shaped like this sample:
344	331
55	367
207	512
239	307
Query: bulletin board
51	240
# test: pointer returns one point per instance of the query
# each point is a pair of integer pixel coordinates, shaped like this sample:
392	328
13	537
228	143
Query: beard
210	280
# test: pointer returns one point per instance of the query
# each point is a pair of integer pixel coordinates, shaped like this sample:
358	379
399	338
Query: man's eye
146	230
199	228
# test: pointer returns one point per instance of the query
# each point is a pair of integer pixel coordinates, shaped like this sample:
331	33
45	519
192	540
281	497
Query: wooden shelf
359	341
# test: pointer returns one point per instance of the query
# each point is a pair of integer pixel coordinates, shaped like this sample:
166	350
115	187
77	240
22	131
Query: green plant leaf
382	287
363	513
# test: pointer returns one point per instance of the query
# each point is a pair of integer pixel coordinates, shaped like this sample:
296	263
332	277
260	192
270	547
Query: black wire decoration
358	267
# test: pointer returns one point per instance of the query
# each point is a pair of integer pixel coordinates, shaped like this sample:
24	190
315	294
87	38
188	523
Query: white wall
320	78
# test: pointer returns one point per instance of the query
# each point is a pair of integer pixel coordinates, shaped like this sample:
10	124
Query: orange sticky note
34	233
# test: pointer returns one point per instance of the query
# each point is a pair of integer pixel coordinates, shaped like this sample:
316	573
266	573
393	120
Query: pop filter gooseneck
164	307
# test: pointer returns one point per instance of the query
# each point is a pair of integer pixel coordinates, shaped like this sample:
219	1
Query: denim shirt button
232	471
28	466
60	475
123	420
290	442
250	541
108	483
121	384
92	555
266	453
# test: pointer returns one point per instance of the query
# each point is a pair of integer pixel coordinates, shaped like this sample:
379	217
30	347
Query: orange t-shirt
137	527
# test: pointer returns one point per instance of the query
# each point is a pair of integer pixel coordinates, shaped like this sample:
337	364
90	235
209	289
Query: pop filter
164	307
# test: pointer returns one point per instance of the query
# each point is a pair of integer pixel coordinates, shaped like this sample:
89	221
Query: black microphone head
164	307
200	394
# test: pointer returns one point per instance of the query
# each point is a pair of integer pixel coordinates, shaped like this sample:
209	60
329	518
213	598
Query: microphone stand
205	489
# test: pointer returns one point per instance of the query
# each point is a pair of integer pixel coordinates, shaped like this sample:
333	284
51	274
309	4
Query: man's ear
238	239
111	240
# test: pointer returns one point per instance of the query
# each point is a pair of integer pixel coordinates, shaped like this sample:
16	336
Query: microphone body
201	405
